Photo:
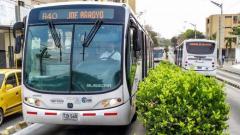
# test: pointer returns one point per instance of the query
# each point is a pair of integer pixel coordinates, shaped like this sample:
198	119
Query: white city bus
199	55
158	54
66	79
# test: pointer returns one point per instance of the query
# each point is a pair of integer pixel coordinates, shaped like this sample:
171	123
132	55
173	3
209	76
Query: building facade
11	11
229	43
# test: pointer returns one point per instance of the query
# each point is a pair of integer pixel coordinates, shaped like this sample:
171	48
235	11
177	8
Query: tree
213	36
174	41
154	35
229	41
164	42
190	34
235	30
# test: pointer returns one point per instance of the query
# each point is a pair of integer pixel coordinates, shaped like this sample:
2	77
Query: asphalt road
135	128
233	99
11	120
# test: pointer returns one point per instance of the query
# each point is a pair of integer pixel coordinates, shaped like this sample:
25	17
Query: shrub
171	101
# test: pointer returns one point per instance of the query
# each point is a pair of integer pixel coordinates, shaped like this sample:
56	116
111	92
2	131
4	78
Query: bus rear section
200	56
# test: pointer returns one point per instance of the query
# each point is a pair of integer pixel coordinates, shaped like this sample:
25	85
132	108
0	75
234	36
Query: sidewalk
230	74
231	68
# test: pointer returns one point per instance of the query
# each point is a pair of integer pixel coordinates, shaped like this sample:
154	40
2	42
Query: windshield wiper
56	37
41	56
88	39
92	33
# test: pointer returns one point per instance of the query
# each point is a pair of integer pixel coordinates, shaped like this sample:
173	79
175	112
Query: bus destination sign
200	44
76	14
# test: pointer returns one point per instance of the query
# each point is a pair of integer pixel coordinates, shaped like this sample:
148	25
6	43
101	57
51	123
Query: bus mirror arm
18	44
18	30
18	27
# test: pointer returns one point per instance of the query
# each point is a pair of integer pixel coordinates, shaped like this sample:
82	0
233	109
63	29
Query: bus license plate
70	116
198	67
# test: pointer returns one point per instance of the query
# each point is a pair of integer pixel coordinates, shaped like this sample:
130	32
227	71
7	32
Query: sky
172	17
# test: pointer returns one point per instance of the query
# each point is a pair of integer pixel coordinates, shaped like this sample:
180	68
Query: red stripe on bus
110	113
89	114
50	113
32	113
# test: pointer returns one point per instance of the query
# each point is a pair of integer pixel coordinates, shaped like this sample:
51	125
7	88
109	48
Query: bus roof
83	3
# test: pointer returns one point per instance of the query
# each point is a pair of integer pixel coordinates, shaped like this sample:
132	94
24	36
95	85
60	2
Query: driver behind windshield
110	52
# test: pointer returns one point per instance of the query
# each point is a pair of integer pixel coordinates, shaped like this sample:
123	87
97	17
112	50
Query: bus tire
1	116
134	117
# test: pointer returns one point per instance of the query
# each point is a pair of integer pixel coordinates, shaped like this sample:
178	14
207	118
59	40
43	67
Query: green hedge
171	101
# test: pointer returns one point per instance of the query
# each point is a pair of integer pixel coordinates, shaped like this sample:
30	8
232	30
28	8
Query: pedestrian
223	58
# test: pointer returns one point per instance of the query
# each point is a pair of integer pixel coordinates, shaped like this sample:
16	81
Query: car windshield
69	66
1	79
200	47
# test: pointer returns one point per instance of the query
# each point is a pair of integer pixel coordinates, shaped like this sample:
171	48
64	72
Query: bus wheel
134	117
1	116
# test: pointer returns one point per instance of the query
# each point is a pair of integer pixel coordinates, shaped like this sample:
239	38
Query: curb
13	129
230	83
230	71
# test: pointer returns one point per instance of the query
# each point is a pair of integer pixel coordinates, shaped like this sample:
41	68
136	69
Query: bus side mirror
137	40
18	44
18	30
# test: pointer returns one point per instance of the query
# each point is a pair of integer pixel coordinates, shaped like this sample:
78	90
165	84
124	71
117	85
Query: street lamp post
195	29
220	31
139	16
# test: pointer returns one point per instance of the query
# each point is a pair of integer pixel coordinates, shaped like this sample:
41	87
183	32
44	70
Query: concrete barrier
13	129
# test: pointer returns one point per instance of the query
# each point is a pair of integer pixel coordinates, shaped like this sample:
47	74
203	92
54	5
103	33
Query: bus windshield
158	53
70	66
1	79
200	47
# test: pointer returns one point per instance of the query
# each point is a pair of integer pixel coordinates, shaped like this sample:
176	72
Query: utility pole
220	32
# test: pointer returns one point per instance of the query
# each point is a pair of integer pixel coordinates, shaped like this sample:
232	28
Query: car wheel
1	116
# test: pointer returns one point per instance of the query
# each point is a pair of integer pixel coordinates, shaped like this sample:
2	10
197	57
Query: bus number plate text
70	116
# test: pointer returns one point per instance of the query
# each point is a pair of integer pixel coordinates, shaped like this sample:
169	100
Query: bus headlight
32	101
108	103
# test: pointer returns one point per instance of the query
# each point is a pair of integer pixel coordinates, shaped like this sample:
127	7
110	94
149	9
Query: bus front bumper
114	116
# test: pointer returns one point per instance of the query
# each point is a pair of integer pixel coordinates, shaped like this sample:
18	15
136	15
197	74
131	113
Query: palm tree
229	41
213	36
